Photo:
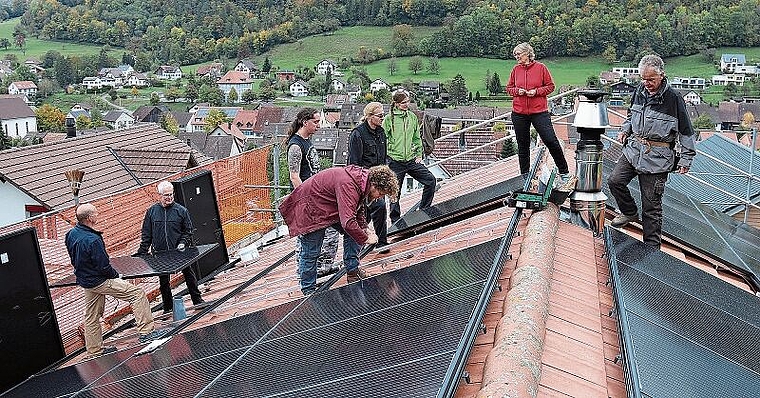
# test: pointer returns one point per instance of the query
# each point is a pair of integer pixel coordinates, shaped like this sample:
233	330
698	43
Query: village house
729	62
212	70
24	87
299	88
696	83
725	80
239	81
168	72
377	85
16	117
118	120
325	66
247	66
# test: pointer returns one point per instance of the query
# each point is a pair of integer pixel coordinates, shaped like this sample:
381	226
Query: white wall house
92	83
627	71
338	85
24	87
729	62
136	80
299	89
377	85
696	83
324	65
240	81
724	80
17	205
168	72
16	117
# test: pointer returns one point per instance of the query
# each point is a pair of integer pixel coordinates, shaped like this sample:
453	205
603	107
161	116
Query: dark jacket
88	255
335	195
660	117
165	227
534	75
367	148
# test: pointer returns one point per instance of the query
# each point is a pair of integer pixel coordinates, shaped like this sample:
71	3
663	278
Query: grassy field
36	48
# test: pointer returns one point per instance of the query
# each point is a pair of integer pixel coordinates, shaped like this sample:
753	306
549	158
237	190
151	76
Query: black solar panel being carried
393	335
713	233
684	333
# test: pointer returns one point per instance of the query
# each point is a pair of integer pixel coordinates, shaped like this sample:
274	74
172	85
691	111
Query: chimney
587	202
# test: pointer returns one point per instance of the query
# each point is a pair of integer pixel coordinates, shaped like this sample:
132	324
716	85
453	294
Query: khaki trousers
95	299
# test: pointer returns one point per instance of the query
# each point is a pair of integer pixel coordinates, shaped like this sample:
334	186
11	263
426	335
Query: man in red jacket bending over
336	197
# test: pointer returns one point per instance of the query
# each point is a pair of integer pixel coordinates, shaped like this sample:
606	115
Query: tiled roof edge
513	367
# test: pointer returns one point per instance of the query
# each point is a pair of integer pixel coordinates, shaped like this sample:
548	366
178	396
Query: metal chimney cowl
587	202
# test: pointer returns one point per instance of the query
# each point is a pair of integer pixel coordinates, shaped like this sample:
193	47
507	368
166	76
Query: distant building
299	89
240	81
247	66
377	85
168	72
118	120
725	80
729	62
16	117
285	75
326	65
695	83
212	70
24	87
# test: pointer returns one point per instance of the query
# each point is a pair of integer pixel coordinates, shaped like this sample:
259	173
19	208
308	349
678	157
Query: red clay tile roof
39	170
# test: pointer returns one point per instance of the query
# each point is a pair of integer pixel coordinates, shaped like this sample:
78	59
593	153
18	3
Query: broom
75	180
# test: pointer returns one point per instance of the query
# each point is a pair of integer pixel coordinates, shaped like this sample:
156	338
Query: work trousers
419	172
95	298
542	122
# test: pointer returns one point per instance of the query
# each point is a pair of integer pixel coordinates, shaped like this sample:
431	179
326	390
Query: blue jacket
88	255
165	227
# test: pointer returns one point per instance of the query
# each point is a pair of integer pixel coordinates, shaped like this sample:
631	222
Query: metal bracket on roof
466	377
498	286
618	358
483	328
613	313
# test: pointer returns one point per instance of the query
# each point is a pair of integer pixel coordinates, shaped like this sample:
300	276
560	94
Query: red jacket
534	75
330	196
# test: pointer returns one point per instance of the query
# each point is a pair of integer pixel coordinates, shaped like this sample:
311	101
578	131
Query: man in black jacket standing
167	226
367	147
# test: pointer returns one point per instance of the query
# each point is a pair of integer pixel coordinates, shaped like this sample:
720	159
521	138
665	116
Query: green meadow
36	48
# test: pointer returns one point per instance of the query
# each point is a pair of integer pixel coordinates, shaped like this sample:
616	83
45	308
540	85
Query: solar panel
391	335
461	206
167	262
715	234
685	333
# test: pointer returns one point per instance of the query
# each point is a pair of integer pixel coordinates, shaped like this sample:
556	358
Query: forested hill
185	32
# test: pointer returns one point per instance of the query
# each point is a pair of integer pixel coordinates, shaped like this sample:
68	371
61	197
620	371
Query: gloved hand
181	247
371	237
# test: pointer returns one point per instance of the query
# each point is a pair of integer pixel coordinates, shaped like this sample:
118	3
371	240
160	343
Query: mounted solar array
684	332
715	234
391	335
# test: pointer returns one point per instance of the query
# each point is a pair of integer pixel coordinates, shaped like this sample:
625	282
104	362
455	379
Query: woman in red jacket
529	84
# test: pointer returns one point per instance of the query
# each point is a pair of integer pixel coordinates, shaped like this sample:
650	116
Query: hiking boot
156	334
622	220
355	275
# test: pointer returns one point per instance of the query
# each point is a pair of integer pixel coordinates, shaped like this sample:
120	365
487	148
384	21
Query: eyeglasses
167	195
406	101
380	115
517	55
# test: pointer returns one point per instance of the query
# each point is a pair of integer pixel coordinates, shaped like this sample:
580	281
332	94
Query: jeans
419	172
652	187
311	246
543	125
94	302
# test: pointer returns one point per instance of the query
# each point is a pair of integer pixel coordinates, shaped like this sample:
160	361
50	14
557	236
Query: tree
415	64
134	92
232	96
215	118
458	89
172	94
154	98
113	94
5	43
434	66
508	148
82	122
169	123
191	92
610	54
50	119
392	66
703	121
494	84
402	40
248	96
266	66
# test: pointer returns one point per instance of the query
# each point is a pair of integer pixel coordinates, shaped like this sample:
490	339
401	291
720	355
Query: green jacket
404	142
